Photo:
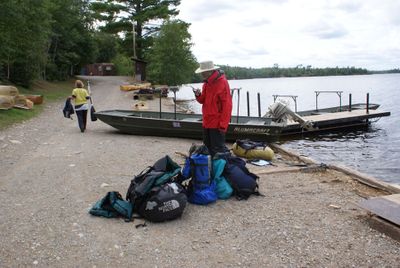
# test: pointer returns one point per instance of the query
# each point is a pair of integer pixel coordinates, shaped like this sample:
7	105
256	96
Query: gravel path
51	174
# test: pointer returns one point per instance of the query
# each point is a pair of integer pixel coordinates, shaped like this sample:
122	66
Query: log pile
10	98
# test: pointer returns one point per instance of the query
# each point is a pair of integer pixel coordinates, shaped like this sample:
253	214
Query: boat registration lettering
251	130
176	124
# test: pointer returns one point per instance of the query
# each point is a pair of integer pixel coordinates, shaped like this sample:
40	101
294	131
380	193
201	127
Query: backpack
112	206
143	188
223	188
163	203
201	188
243	182
68	108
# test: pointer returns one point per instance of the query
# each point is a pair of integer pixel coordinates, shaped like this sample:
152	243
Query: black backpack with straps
154	194
243	182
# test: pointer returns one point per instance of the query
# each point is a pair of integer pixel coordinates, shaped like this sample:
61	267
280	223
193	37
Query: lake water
375	152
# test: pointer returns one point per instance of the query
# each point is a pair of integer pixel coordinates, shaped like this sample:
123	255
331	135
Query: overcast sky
320	33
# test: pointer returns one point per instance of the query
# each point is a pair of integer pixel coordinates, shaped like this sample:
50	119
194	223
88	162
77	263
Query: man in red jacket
216	101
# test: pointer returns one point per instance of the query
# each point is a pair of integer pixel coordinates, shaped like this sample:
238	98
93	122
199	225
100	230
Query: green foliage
249	73
107	46
24	31
47	38
118	17
71	45
123	64
171	61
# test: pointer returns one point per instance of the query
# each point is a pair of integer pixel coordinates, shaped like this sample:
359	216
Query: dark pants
214	140
82	116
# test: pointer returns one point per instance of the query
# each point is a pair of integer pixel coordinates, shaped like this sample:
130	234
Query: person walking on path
216	101
80	95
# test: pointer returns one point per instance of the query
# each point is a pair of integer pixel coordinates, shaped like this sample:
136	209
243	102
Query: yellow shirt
80	95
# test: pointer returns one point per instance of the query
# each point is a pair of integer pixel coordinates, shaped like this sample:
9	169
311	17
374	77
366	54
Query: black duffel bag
162	203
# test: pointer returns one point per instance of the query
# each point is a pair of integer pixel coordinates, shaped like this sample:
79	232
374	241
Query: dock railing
339	93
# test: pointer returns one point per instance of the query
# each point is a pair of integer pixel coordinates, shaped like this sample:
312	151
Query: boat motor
281	113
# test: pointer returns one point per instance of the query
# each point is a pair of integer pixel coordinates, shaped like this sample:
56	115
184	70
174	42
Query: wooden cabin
100	69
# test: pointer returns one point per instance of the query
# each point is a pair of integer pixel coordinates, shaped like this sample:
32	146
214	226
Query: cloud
257	22
258	33
209	9
324	30
349	6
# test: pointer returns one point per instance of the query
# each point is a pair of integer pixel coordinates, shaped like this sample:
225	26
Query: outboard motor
281	113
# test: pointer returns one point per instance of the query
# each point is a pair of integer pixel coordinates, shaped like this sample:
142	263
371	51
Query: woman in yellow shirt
80	95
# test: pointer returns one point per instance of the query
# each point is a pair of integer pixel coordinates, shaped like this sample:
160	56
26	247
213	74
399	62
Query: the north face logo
169	206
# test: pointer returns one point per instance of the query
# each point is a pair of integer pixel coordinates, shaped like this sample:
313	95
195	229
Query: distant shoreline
240	73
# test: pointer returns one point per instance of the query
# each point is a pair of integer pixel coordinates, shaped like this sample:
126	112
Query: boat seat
255	122
191	119
318	113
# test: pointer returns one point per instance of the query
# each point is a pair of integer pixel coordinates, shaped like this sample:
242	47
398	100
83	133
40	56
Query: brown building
100	69
140	69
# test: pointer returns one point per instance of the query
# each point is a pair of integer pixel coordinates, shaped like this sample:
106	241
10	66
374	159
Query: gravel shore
51	174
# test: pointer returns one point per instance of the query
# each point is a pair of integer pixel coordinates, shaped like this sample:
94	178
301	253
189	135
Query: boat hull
187	126
181	125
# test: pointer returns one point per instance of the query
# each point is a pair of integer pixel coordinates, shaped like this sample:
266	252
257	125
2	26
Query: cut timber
8	91
385	227
387	214
6	102
368	180
386	207
282	150
36	99
308	168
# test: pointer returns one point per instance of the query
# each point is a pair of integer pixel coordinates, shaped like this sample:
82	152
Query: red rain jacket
217	102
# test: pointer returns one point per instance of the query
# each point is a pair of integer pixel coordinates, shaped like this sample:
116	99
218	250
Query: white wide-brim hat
206	66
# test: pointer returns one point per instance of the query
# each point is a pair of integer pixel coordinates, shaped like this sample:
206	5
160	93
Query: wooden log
356	175
368	180
8	91
282	150
385	227
36	99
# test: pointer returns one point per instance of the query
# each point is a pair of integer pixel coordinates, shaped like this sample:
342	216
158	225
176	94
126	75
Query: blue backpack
223	188
202	188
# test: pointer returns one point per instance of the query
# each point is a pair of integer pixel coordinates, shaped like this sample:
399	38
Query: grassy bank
51	91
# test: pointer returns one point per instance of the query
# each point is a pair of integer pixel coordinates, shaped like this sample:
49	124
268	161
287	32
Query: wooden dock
334	121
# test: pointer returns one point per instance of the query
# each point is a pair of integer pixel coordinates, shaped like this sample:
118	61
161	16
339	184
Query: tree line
298	71
56	39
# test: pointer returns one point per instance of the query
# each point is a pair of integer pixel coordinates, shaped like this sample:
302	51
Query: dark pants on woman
214	140
82	116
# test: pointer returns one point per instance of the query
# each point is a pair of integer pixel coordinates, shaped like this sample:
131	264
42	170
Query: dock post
259	104
174	104
367	103
350	102
248	104
160	105
238	105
